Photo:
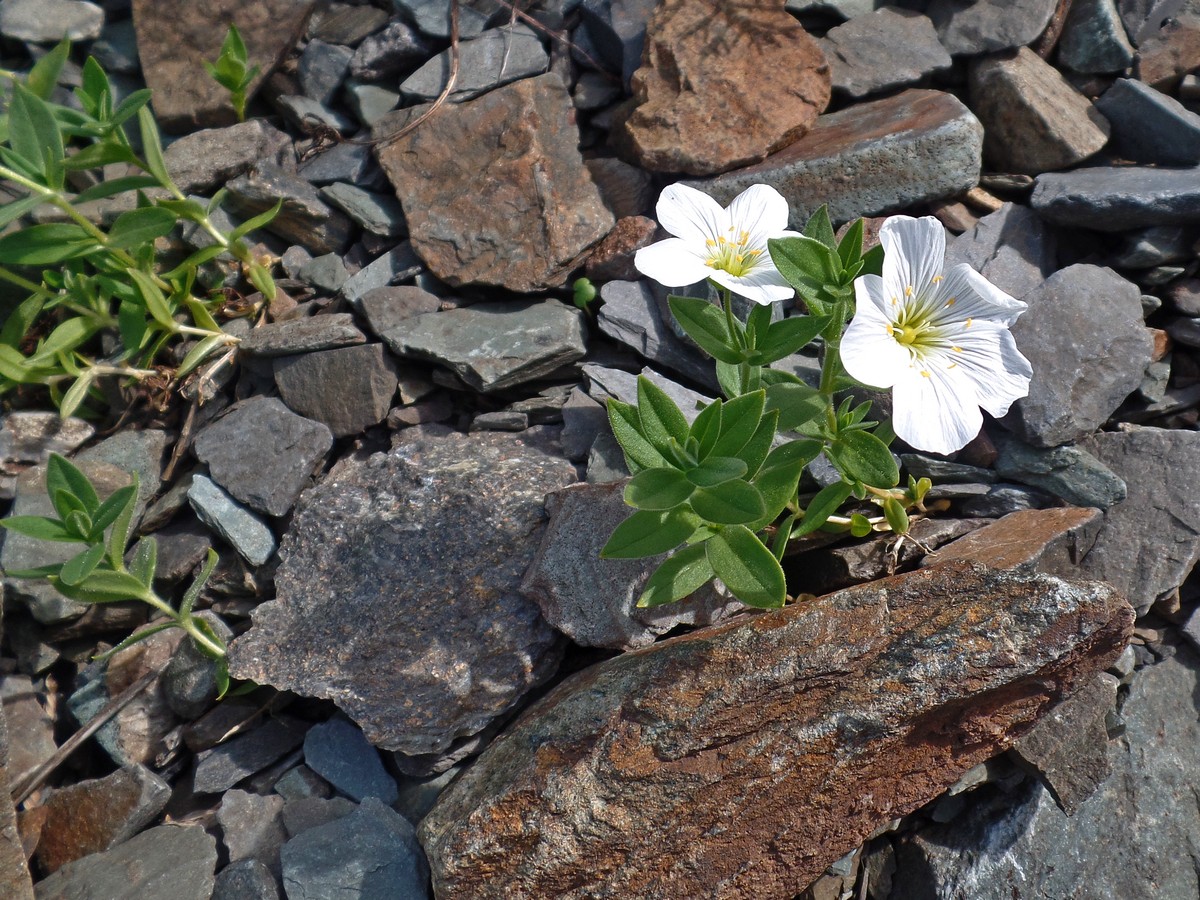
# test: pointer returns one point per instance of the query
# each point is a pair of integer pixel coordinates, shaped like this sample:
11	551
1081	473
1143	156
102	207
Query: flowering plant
715	491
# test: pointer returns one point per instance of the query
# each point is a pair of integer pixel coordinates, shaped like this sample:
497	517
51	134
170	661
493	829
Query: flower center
731	254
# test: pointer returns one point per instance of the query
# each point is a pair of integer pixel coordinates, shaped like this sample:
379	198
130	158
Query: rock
223	766
1149	543
311	812
168	861
494	58
620	385
245	532
1001	499
30	730
493	346
1011	247
905	39
626	190
321	70
302	113
968	27
263	453
139	452
1149	127
370	853
252	827
1116	842
613	258
433	16
303	335
190	682
49	21
386	307
1067	472
338	751
1154	246
301	782
398	264
1185	296
616	33
1069	748
1094	40
14	871
204	160
326	273
1049	541
398	47
28	438
95	815
695	62
116	48
1033	120
174	43
1118	198
1170	53
859	161
592	600
771	723
376	213
303	219
246	879
631	316
404	583
370	102
347	390
526	231
1084	336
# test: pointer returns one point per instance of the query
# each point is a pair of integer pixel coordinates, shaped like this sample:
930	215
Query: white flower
941	343
727	245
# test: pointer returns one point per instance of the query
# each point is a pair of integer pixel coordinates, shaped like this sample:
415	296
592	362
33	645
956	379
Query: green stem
13	278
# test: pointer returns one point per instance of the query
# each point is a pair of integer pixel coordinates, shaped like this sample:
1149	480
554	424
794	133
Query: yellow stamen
967	324
924	373
891	331
937	279
956	349
950	302
908	290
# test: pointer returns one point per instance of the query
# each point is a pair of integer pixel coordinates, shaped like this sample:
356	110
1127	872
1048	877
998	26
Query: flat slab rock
758	752
397	594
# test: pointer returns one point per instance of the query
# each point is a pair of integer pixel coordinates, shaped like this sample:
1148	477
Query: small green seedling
230	71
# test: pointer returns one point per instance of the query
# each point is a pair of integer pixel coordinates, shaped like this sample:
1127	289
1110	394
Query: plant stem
13	278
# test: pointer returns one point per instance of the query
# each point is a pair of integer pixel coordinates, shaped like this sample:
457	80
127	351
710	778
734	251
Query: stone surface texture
14	871
984	26
1047	541
792	724
700	57
397	594
526	223
1118	198
884	49
1011	247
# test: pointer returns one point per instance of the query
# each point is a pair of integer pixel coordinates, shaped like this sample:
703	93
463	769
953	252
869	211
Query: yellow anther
937	279
967	324
924	373
908	290
709	242
956	349
891	331
952	365
950	302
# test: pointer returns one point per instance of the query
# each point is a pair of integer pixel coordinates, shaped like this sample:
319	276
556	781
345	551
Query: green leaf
850	248
263	218
221	677
260	276
39	572
46	244
798	404
706	325
758	322
860	525
207	630
118	537
115	186
706	428
139	226
108	511
185	209
873	261
130	106
80	566
680	575
716	470
189	599
660	418
63	475
649	533
896	515
739	420
79	523
729	377
95	156
75	395
43	76
759	445
863	457
10	212
20	320
152	147
95	84
131	321
41	527
200	353
658	489
749	569
145	561
627	428
787	336
140	635
820	228
65	503
823	506
103	586
729	503
233	47
67	336
154	298
779	476
805	263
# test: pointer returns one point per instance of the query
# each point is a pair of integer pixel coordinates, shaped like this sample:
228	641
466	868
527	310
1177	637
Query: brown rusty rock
14	873
703	103
174	41
612	260
1050	541
1170	53
739	761
494	190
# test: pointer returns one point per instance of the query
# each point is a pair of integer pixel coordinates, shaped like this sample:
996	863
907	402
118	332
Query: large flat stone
870	158
1117	198
742	760
14	871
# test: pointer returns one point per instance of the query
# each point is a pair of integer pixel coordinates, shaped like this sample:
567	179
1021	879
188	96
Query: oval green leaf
658	489
649	533
716	470
863	457
681	575
749	570
732	503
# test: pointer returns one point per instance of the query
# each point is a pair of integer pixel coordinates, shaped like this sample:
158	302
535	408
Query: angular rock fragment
968	27
1170	53
1094	40
304	218
1048	541
204	160
347	390
790	724
1118	198
1011	247
49	21
494	58
1149	127
631	315
221	767
14	871
885	49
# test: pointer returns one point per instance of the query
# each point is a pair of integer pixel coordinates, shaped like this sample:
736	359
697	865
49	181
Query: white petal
869	353
938	413
761	211
988	355
691	214
976	298
672	262
914	252
764	285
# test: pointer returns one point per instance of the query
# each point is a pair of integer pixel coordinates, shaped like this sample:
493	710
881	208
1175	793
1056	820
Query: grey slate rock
943	472
347	390
1149	126
377	213
306	335
310	812
303	113
369	545
348	25
351	163
1067	472
223	766
616	29
433	16
583	419
398	264
370	102
189	682
322	68
397	48
28	438
116	48
167	861
1093	40
1151	541
1140	828
1118	198
370	854
49	21
337	751
204	160
1154	246
263	453
1185	331
252	827
885	49
1084	336
493	346
968	27
246	879
327	273
300	783
386	307
243	530
604	382
304	218
1002	499
495	57
131	451
1011	247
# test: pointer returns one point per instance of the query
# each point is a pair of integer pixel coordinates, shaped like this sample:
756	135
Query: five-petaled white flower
727	245
941	343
